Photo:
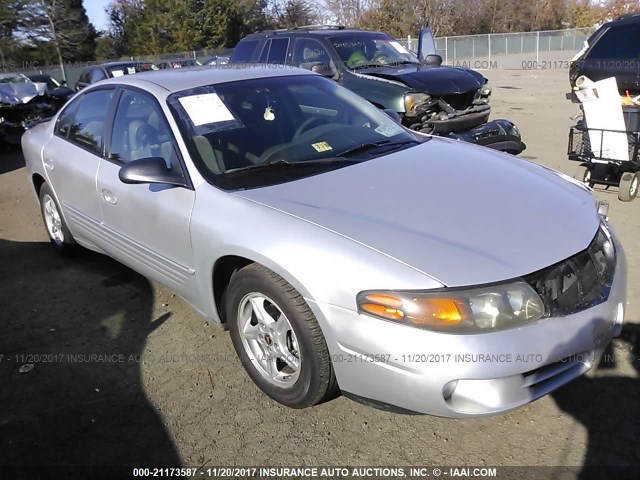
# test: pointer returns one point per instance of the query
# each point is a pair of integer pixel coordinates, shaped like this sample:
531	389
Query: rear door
72	157
145	226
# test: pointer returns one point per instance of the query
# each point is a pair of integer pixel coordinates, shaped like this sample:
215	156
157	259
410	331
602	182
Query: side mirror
150	170
433	60
323	69
395	116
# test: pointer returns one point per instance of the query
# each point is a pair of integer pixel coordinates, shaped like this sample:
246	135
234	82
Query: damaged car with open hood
418	90
22	102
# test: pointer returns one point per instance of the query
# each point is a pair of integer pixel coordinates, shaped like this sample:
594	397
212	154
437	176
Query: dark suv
612	51
428	97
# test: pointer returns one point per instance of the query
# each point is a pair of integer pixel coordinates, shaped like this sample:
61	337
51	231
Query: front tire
277	338
57	229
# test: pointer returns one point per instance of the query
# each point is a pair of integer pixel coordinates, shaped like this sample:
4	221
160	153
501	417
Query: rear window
244	51
619	42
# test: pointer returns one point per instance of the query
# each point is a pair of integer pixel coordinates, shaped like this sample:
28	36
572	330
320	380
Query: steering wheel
308	124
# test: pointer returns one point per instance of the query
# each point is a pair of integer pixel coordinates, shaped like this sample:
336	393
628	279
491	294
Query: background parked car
178	63
22	102
95	73
58	91
612	51
216	60
429	97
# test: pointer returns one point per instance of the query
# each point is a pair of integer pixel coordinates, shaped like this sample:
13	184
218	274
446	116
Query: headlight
471	310
483	95
413	102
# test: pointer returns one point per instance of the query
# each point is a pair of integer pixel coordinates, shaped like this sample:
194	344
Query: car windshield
265	131
13	78
368	50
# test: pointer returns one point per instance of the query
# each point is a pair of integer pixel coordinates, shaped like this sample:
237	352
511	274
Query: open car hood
20	93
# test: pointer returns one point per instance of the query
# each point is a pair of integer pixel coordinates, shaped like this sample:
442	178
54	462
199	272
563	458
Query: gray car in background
342	250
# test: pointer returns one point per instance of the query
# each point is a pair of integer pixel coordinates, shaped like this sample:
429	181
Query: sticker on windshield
117	73
206	108
389	129
131	70
398	47
321	147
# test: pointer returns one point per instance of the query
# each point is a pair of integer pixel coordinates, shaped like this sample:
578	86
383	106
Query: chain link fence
523	50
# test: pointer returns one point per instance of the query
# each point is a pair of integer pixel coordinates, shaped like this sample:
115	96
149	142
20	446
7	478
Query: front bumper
419	371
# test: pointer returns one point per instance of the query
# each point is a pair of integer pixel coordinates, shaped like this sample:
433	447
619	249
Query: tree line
45	31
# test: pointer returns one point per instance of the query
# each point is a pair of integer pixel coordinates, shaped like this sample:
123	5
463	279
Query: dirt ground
163	387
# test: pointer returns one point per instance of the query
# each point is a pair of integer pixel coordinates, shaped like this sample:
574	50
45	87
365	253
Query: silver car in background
342	251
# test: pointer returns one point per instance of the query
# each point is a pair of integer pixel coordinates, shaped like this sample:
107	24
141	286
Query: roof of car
625	19
178	79
314	30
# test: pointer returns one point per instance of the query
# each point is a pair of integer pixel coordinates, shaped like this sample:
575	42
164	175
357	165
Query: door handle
48	164
109	197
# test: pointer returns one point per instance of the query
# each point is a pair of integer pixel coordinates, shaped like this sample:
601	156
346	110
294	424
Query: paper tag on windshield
389	129
117	73
206	108
131	70
398	47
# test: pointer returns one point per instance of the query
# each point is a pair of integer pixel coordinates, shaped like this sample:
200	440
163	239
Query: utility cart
601	165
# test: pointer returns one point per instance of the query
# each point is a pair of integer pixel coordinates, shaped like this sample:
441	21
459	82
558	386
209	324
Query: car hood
462	214
434	80
20	93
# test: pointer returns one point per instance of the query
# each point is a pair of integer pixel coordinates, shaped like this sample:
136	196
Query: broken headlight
483	95
416	103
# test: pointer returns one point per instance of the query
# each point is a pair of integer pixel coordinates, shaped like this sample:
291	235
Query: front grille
579	282
460	101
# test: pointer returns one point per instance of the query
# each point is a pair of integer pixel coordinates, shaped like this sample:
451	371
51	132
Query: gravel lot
167	388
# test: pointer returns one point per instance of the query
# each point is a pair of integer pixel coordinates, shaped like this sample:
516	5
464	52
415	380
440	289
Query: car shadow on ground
73	336
608	406
10	159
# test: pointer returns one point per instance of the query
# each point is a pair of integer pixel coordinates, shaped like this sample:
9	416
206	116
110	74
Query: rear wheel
59	234
629	185
278	338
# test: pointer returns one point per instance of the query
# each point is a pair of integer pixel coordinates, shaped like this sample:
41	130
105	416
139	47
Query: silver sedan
341	250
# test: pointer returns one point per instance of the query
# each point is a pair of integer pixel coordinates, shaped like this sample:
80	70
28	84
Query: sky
96	13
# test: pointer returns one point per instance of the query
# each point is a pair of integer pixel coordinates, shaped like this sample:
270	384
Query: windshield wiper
285	164
366	65
402	62
370	146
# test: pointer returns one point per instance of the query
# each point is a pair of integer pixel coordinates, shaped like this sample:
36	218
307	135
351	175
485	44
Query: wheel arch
38	180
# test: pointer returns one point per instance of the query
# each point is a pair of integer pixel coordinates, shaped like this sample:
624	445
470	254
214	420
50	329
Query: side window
275	51
65	119
140	130
87	126
278	50
620	42
243	53
97	74
84	78
308	52
265	52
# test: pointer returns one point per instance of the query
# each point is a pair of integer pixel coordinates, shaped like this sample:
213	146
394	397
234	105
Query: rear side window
97	74
275	51
243	53
84	78
87	127
620	42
